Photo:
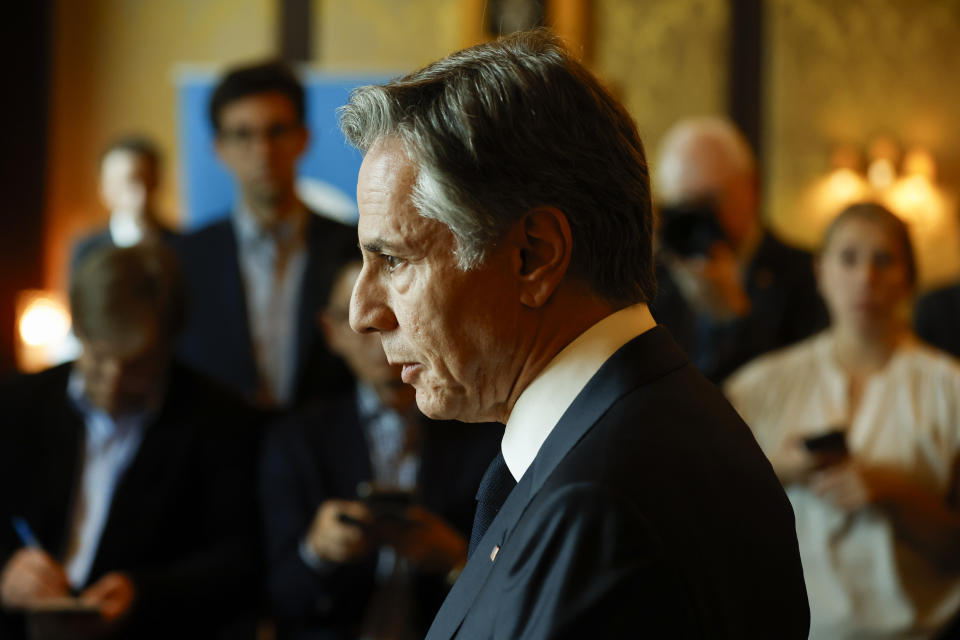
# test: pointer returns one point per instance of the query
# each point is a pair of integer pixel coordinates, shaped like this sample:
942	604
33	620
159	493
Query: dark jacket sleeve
935	318
291	490
218	579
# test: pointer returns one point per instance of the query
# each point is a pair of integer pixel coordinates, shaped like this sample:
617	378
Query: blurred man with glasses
257	277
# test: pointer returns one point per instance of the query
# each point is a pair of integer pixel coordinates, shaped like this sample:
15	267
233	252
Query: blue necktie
495	486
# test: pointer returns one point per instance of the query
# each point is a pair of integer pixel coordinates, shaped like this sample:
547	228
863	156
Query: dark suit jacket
101	240
322	453
217	340
785	308
649	512
937	319
182	521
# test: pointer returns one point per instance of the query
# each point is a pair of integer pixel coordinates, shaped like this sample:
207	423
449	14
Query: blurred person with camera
729	290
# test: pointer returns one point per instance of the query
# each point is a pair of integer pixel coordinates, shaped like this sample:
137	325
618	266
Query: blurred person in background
135	475
729	290
862	425
366	504
256	279
129	179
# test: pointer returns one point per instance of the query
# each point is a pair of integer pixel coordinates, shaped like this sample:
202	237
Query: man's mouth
409	370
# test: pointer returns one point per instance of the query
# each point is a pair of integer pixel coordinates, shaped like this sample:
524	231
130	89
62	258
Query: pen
25	533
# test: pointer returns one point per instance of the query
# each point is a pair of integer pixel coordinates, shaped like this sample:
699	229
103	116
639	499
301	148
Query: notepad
63	605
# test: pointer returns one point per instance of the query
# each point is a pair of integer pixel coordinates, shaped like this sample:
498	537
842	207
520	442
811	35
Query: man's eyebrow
377	245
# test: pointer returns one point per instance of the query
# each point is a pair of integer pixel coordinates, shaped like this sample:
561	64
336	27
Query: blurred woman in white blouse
862	425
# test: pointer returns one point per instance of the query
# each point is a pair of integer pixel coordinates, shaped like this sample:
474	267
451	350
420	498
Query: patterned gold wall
846	72
113	72
666	59
384	35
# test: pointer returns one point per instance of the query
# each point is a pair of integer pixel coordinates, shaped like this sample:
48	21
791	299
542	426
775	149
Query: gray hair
504	127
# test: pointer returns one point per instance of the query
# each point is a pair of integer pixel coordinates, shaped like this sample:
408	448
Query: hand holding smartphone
827	448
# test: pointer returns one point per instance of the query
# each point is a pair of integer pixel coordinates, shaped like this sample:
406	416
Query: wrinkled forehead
385	193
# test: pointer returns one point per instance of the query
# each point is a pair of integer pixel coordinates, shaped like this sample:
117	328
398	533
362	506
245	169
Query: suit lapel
230	284
155	466
312	296
342	447
62	465
645	358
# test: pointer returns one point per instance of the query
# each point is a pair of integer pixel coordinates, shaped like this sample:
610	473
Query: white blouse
861	579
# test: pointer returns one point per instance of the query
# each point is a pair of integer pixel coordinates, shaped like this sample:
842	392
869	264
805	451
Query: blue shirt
110	445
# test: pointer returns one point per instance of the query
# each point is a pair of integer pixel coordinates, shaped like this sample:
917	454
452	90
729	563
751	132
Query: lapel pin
493	554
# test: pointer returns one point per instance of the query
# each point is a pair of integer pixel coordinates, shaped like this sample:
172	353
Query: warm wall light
912	193
43	330
907	185
919	162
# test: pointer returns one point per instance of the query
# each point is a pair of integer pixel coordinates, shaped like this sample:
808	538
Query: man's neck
268	212
568	315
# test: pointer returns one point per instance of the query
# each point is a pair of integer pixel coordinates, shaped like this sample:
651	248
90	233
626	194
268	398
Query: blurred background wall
824	89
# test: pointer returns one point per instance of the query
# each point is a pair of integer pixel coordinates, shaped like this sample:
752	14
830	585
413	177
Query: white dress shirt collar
542	404
124	230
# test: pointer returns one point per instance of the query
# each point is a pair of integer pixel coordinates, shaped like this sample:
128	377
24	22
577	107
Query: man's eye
392	262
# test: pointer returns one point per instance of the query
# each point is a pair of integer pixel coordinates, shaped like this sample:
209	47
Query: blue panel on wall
328	168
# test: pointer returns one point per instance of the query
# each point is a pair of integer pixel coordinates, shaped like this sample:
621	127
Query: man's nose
369	310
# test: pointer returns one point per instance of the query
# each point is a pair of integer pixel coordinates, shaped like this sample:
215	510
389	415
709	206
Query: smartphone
832	441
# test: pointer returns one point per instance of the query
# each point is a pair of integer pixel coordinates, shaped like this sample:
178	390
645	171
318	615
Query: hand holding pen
31	574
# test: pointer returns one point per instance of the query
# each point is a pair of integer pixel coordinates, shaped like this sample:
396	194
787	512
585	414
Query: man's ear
544	244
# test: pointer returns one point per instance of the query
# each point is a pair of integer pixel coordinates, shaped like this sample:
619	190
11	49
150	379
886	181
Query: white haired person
862	425
730	290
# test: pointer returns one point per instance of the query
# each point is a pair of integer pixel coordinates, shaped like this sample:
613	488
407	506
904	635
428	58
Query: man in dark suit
134	473
506	225
734	294
256	279
936	318
328	548
129	177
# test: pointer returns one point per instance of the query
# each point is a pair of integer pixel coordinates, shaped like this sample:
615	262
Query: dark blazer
649	512
322	453
182	521
217	340
785	307
101	240
937	318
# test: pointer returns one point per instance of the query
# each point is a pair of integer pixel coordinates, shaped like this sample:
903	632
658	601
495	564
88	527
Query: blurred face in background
363	352
260	141
864	277
128	182
125	372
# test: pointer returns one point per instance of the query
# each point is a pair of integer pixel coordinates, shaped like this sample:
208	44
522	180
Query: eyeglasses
246	136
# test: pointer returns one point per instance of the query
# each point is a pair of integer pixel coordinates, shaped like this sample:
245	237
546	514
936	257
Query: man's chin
433	407
439	408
